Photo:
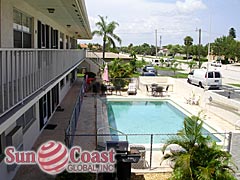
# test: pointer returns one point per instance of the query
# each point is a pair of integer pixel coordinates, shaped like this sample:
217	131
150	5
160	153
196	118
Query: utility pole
160	45
199	48
209	37
156	41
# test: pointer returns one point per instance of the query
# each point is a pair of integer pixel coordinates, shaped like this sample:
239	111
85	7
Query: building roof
71	14
84	46
108	55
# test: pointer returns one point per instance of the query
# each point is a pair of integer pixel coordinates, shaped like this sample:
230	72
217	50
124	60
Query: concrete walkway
61	119
86	124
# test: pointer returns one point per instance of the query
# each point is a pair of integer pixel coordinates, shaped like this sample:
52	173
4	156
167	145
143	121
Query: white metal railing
24	71
95	58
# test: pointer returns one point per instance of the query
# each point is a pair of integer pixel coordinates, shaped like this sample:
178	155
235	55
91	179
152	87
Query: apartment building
38	61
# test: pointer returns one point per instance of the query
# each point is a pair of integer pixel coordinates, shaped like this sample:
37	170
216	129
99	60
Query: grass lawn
237	85
180	75
165	68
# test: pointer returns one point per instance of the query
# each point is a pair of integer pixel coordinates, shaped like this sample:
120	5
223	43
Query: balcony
24	71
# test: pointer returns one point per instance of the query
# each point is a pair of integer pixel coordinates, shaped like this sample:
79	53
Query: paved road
231	74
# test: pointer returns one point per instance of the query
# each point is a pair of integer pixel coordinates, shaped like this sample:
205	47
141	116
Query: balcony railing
24	71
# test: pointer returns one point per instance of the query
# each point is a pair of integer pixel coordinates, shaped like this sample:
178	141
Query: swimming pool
145	117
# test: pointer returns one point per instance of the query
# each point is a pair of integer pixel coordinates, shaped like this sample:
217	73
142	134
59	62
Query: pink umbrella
105	74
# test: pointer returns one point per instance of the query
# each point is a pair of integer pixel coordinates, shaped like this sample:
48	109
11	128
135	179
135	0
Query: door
43	111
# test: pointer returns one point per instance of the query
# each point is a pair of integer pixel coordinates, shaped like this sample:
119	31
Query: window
61	83
27	118
217	75
191	73
210	74
22	30
43	37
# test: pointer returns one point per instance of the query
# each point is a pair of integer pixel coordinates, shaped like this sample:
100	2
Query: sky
172	19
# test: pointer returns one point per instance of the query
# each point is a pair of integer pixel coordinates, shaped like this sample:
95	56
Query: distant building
83	46
109	56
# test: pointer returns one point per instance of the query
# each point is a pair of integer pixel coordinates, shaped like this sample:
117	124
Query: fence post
151	151
229	142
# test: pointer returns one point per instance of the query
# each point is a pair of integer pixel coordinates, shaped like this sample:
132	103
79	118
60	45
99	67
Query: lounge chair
132	89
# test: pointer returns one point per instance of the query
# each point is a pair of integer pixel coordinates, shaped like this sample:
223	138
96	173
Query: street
230	72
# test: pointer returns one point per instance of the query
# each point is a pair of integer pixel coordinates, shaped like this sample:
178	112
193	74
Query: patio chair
118	88
148	91
166	91
195	100
132	89
142	163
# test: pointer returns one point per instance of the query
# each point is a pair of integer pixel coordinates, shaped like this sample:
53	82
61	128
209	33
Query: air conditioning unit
15	138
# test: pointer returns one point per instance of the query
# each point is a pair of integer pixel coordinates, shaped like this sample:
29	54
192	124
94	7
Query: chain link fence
149	146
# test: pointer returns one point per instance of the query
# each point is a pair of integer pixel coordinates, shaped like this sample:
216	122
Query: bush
225	61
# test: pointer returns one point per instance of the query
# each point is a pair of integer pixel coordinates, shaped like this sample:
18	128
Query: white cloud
190	5
138	19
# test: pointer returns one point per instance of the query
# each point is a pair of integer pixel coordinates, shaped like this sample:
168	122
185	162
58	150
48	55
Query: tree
232	33
188	41
107	32
191	64
198	156
225	46
175	49
174	66
118	71
133	61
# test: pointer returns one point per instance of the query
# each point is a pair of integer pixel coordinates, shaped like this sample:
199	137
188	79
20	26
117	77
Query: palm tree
198	157
191	64
232	33
106	31
133	61
188	41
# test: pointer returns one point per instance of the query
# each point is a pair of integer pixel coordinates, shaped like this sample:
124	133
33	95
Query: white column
2	73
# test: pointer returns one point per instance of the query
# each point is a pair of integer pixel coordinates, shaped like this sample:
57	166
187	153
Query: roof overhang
71	14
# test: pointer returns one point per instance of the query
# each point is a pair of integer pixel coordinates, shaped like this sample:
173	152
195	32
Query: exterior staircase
92	63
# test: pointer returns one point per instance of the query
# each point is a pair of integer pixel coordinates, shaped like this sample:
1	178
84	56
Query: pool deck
87	125
218	123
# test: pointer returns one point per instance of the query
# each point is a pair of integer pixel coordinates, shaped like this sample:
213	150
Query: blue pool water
144	117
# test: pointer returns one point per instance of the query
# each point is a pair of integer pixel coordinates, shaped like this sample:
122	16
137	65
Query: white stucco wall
6	16
6	24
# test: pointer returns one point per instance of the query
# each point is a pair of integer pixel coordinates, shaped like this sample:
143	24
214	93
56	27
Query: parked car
150	68
148	74
216	64
205	78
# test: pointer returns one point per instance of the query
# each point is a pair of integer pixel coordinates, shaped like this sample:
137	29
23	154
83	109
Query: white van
204	78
